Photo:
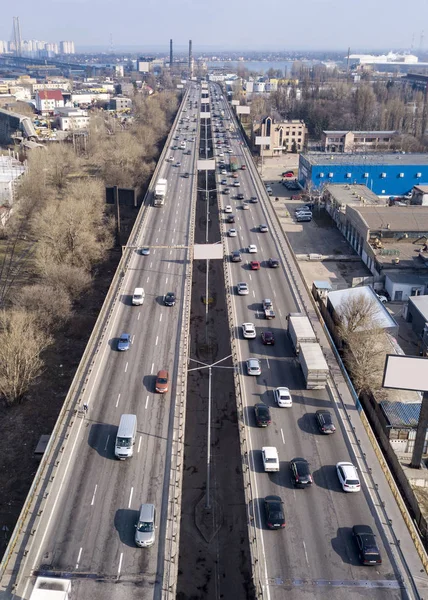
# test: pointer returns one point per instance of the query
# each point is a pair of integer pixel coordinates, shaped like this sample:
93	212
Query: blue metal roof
400	414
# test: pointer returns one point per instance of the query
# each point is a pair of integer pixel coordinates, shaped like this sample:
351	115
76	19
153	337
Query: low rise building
120	103
11	170
401	285
357	141
388	174
48	100
285	136
417	314
70	119
420	195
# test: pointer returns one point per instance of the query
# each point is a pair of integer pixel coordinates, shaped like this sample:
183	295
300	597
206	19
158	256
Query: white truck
314	365
268	309
300	330
160	192
50	588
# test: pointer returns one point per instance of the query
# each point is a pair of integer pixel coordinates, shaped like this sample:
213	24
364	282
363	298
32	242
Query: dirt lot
214	548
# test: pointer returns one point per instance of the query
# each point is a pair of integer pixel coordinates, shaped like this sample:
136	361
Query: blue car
124	342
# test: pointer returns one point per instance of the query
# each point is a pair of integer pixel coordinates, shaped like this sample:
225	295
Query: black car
268	338
365	539
325	421
240	196
169	299
300	472
230	219
274	263
186	175
274	509
262	414
254	199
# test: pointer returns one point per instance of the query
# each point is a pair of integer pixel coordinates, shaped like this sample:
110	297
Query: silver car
145	526
253	366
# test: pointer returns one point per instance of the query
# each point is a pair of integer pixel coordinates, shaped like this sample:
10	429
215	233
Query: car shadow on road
102	438
124	522
326	477
307	424
342	543
149	382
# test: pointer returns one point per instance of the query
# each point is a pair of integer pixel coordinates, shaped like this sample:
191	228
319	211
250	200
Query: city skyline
92	23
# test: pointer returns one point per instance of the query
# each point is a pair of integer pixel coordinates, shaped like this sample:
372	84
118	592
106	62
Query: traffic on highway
309	496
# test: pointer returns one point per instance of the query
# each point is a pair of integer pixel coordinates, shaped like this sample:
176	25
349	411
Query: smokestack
170	54
190	54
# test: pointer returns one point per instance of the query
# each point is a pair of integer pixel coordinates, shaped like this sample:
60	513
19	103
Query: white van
270	458
138	297
183	145
125	439
269	190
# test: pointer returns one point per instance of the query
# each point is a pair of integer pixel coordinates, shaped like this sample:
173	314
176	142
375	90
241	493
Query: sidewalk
364	445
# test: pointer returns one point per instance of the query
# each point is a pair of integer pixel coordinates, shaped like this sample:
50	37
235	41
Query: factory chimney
170	54
190	54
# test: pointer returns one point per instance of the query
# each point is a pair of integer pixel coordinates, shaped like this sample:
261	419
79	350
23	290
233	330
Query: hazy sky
230	24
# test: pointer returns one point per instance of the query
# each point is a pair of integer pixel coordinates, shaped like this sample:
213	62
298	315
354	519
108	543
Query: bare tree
50	304
364	342
21	345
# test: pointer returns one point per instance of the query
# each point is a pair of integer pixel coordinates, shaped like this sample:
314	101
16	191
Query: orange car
162	382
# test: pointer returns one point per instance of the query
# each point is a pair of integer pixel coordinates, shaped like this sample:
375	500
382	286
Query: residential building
145	64
48	100
388	174
285	136
71	119
357	141
66	47
52	84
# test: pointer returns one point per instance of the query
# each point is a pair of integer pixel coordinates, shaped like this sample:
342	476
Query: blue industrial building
389	174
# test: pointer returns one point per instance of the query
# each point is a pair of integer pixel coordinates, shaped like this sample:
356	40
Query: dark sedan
273	263
325	421
365	539
274	509
300	472
268	338
169	299
262	414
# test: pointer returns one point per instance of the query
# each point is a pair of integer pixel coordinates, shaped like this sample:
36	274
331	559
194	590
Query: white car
228	209
223	172
253	366
248	331
242	289
252	248
245	206
348	477
221	154
283	397
236	183
382	298
232	232
270	458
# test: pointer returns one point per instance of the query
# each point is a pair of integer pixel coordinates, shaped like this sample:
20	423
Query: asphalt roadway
86	531
314	556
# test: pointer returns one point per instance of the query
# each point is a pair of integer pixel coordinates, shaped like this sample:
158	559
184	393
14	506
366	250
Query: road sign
406	373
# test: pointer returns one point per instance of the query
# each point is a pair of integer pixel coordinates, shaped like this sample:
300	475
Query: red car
268	338
288	174
255	265
243	167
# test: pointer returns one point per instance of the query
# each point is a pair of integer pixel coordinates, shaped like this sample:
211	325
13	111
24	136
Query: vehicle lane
99	509
319	517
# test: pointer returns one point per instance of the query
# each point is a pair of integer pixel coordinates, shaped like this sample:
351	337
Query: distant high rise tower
170	54
17	36
190	54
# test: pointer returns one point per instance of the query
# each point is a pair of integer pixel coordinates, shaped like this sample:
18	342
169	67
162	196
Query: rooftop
368	159
421	188
421	303
344	132
353	194
395	218
383	317
400	414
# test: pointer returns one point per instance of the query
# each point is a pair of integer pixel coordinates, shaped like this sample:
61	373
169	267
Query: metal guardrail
175	487
38	494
